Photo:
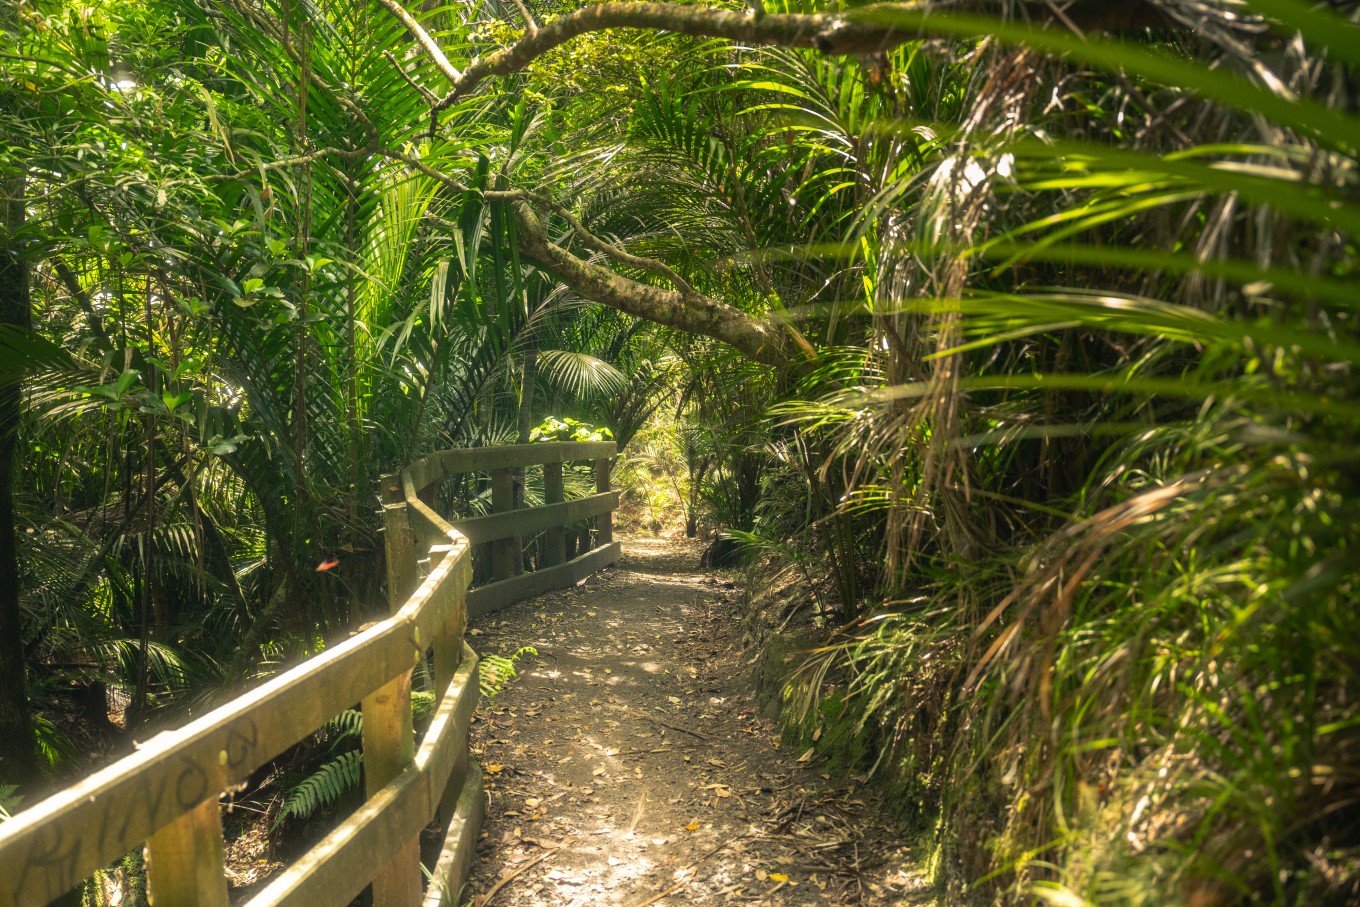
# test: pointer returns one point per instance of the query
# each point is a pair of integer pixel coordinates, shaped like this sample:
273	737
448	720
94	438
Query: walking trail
628	763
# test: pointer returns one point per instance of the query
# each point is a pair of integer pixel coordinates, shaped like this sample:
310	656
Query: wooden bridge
166	795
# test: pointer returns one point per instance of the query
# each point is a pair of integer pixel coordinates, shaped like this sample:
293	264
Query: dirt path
628	765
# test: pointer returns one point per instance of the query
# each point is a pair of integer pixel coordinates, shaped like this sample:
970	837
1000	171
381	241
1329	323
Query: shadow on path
627	764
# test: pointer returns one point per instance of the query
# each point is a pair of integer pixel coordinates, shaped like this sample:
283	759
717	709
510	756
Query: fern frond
323	788
495	671
349	723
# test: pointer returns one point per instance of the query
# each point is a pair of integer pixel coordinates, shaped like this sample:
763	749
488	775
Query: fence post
184	860
605	521
388	739
400	544
389	746
555	550
505	553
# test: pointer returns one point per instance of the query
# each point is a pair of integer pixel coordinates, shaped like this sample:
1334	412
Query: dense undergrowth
1095	461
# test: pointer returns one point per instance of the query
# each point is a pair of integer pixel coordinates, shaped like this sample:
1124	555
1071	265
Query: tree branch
859	31
755	338
421	89
421	35
590	239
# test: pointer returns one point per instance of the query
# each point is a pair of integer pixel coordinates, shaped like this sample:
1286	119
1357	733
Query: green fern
9	800
495	671
323	788
348	724
422	707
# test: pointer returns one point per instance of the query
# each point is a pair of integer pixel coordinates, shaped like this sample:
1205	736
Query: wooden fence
167	793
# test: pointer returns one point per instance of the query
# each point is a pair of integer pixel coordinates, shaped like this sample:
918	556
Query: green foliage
1068	465
495	671
568	429
10	800
325	785
1101	454
322	788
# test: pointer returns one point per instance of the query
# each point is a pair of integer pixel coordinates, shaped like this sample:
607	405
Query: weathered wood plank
389	747
184	860
460	843
425	474
484	459
555	543
59	842
495	596
341	864
504	552
605	524
429	528
535	519
399	542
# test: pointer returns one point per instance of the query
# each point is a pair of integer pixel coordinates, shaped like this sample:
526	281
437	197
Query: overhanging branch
858	31
755	338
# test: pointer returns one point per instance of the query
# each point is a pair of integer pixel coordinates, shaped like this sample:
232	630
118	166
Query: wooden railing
167	793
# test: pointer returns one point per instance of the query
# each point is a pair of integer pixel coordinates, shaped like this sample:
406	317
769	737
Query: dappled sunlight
627	762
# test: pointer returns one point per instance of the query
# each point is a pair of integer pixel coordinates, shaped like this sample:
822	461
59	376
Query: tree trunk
17	748
526	391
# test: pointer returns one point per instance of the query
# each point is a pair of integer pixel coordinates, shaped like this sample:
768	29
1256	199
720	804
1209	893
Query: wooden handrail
166	794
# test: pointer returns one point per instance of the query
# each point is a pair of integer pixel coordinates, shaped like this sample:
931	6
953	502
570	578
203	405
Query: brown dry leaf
807	757
495	768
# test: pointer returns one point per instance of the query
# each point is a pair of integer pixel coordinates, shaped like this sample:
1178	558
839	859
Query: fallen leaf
693	826
494	768
807	757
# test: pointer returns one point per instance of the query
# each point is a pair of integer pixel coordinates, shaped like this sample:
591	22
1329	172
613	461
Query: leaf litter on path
629	765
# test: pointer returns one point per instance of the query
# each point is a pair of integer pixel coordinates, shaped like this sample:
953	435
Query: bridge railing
166	795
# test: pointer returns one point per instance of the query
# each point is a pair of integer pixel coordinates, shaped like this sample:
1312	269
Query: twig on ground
667	893
483	899
674	727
